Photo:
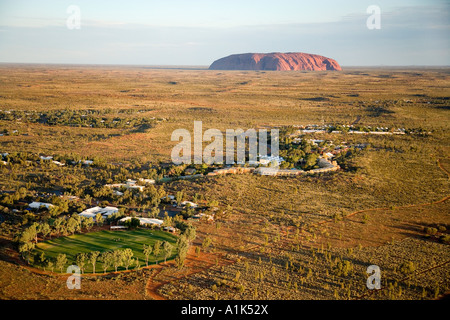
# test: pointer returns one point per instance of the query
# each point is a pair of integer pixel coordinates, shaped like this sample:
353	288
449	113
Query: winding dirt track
418	205
203	261
194	262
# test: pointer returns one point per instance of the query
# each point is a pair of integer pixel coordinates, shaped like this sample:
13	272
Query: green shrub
430	230
343	267
406	268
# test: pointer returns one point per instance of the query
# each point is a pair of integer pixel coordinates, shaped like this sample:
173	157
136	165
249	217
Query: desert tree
25	248
179	198
157	250
167	250
79	219
40	259
80	260
237	276
190	233
99	219
54	211
33	230
154	212
28	235
87	223
61	261
183	246
88	199
147	252
50	264
137	263
72	225
107	260
117	259
206	242
93	256
58	225
407	268
45	230
127	257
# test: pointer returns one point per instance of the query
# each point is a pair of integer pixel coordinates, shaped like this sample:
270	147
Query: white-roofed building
144	221
208	217
86	162
192	204
315	142
170	229
129	184
148	181
92	212
134	187
328	155
169	197
37	205
265	160
117	193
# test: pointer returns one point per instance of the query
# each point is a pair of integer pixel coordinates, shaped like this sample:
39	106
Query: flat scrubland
306	237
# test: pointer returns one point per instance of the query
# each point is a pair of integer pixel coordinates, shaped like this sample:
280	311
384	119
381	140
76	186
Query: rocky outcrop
275	61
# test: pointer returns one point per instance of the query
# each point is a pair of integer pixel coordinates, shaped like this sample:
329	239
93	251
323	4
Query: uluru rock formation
275	61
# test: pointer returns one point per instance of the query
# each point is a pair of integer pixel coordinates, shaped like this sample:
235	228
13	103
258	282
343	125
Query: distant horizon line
202	67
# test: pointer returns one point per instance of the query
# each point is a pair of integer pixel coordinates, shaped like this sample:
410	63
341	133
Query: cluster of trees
165	247
187	212
298	155
438	232
83	181
113	258
183	242
305	155
61	226
108	259
118	258
82	118
345	159
123	257
342	267
9	199
87	182
179	170
60	205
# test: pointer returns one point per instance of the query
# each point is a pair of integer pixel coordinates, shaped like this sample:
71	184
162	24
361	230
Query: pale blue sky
176	32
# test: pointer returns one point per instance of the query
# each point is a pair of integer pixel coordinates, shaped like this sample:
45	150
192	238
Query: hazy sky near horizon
197	32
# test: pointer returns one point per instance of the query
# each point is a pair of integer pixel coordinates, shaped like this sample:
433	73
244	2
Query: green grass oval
106	240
